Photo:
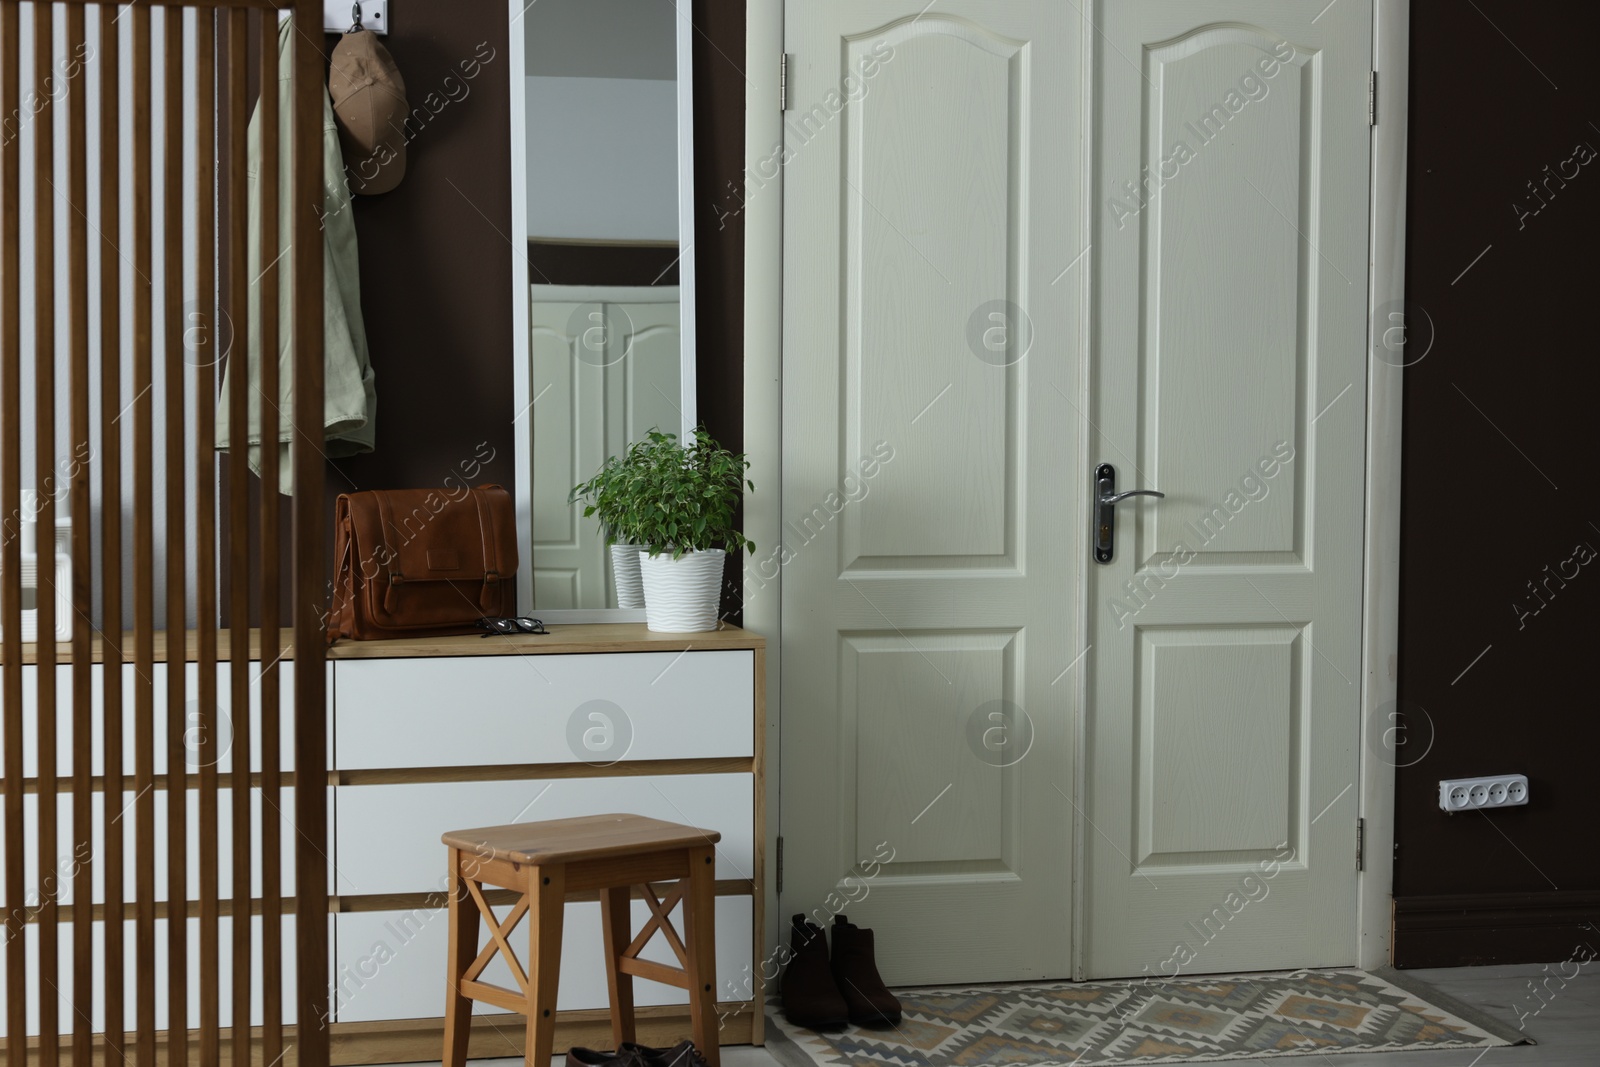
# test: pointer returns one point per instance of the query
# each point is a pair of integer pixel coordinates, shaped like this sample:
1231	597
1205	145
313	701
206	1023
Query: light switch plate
337	15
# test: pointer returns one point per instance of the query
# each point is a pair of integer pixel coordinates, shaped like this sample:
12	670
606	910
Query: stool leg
616	921
547	892
700	937
462	924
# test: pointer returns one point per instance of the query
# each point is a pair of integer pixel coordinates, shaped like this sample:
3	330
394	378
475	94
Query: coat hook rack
345	16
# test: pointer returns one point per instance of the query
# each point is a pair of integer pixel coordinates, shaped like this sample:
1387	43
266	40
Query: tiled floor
1567	1025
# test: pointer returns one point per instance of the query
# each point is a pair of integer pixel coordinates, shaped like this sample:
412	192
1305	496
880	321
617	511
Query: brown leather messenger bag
422	562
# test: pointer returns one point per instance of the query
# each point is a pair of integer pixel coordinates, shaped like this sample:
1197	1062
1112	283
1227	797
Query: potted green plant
679	501
602	498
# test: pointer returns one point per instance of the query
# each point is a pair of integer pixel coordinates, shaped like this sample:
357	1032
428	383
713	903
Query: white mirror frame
522	423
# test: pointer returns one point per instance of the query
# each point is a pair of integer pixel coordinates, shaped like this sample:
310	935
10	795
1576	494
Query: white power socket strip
1497	791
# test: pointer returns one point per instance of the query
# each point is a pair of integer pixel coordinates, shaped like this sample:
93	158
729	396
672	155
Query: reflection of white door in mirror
612	352
603	270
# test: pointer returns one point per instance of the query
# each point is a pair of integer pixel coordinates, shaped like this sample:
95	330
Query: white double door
1023	240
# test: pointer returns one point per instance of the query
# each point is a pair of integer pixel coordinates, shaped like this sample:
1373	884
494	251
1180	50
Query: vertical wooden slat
44	398
205	506
110	164
310	683
10	543
172	132
143	550
271	719
82	546
239	520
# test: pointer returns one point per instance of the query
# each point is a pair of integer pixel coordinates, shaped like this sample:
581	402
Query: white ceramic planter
625	573
680	595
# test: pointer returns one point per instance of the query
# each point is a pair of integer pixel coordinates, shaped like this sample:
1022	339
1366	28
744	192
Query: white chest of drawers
461	732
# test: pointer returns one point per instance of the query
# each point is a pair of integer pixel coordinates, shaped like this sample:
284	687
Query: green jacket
350	401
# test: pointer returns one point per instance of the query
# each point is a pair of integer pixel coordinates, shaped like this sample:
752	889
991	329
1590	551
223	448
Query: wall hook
355	13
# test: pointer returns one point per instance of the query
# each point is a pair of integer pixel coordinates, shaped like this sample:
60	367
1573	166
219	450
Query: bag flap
417	535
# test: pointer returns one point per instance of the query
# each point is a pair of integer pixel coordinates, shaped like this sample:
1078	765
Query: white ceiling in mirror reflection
601	39
602	161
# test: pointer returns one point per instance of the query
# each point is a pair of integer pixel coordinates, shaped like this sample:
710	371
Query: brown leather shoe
810	997
680	1055
683	1054
855	970
625	1056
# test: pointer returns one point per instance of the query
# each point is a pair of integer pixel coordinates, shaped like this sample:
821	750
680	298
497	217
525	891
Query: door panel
932	219
568	443
1228	368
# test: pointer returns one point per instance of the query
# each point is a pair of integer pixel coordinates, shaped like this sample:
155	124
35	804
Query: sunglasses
521	624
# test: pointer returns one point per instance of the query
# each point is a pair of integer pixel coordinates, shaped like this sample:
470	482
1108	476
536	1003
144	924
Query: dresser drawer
387	836
392	964
480	710
60	881
133	978
227	724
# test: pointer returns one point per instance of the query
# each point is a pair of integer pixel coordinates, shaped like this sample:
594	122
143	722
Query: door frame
763	430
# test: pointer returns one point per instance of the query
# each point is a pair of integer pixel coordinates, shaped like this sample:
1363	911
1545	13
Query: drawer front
392	964
471	711
387	836
59	882
227	723
133	979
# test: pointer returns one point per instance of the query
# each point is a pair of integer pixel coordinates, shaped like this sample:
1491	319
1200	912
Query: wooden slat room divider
138	249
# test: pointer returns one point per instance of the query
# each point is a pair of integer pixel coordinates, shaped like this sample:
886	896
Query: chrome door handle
1106	499
1117	498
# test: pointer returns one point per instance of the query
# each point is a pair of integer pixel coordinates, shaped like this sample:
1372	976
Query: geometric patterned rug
1113	1023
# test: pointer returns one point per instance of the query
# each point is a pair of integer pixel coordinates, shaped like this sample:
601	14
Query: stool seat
584	838
546	862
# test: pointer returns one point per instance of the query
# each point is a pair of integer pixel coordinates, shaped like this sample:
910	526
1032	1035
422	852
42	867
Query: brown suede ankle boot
856	971
810	998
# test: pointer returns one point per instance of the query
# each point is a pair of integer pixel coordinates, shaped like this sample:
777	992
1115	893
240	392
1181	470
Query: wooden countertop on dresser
563	639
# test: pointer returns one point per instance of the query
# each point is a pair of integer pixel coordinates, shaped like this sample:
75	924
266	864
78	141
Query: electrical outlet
1496	791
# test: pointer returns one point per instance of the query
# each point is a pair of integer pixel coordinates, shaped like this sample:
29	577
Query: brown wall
1500	483
719	93
436	261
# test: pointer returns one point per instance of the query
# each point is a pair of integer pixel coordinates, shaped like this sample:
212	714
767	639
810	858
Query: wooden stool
547	861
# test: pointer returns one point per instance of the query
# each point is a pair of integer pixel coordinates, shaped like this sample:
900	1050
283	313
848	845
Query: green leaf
669	495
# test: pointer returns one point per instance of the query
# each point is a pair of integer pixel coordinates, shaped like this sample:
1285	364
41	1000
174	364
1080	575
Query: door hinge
783	83
1361	844
779	864
1372	98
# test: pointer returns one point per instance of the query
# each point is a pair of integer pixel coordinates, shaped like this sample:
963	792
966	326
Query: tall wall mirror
602	178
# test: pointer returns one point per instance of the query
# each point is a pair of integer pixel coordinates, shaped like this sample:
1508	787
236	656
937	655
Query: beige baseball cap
369	102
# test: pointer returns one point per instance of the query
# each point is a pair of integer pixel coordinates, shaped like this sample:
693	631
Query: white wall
602	158
601	38
602	120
